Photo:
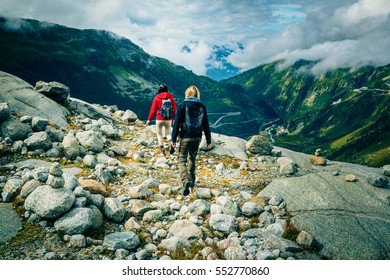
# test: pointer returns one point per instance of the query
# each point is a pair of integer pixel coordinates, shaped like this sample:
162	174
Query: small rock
377	180
125	240
317	160
350	178
304	239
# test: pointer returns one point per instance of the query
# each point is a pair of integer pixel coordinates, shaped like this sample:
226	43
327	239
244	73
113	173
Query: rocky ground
146	183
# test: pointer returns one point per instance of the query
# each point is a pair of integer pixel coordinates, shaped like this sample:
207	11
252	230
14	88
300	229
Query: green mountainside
344	112
101	67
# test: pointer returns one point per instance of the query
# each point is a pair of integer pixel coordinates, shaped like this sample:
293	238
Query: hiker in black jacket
191	120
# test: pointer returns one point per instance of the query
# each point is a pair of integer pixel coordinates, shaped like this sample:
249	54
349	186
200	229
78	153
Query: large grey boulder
48	202
76	221
24	100
90	140
348	220
15	129
38	140
58	92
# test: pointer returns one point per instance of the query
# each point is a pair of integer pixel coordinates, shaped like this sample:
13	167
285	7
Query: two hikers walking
190	121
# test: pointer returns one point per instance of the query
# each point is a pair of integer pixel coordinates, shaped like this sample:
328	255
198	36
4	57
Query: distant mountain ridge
345	112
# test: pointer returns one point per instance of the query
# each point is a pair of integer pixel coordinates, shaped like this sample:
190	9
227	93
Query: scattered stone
114	210
174	244
186	229
386	170
90	161
55	91
71	146
29	187
377	180
39	124
78	241
152	216
129	116
250	209
304	239
287	166
93	186
350	178
318	153
223	223
132	224
199	207
317	160
259	145
231	208
11	188
90	140
121	240
203	193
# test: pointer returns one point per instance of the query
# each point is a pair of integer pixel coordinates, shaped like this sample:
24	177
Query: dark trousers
188	151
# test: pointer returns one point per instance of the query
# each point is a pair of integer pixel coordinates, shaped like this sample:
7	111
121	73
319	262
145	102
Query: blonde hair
192	91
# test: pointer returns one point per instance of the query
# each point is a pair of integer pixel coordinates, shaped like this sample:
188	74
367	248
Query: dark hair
162	88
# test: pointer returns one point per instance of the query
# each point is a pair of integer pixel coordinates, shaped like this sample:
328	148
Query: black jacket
178	128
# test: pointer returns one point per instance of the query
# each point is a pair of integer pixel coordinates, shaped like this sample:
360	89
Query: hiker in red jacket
164	107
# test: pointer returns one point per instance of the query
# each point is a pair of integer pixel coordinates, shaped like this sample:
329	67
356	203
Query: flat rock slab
10	222
349	220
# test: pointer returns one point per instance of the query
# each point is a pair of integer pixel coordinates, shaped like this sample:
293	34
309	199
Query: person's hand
208	146
147	122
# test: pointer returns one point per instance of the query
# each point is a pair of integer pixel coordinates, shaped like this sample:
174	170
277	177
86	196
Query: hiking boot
187	188
171	149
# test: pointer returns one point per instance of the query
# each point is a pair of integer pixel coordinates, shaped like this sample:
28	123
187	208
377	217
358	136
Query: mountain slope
345	112
101	67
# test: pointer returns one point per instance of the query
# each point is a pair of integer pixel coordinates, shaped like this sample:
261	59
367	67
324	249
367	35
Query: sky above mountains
224	37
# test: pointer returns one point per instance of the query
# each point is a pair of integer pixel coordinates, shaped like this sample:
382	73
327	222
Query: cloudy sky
223	37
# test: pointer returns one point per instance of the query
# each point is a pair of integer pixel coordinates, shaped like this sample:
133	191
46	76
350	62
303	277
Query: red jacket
157	103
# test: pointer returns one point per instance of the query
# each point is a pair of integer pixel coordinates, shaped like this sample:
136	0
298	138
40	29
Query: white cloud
352	35
336	33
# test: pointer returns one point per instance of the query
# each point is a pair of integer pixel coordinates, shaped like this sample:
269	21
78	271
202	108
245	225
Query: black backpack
193	121
166	110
